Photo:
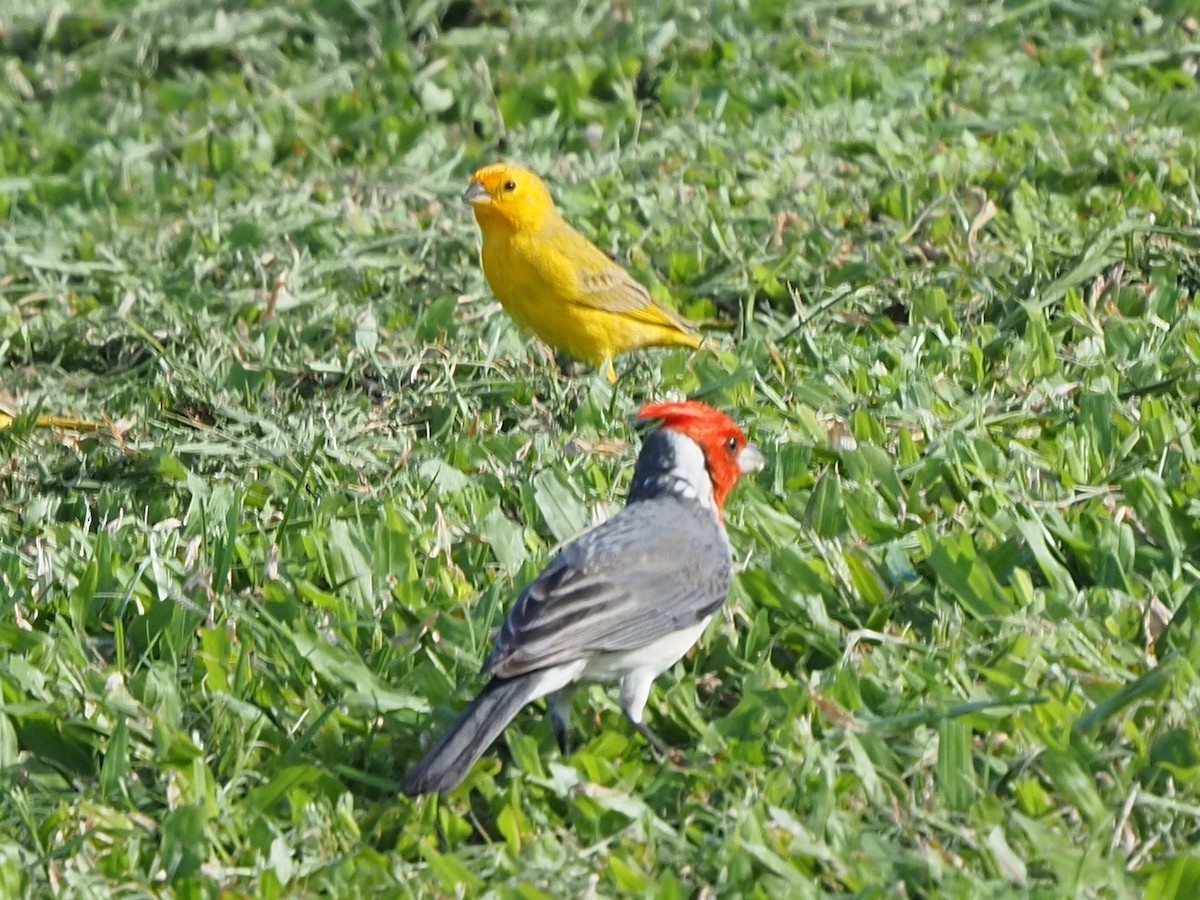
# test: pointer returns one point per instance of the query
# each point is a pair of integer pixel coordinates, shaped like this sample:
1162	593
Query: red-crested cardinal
622	602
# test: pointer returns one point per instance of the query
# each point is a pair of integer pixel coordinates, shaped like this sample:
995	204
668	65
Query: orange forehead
494	177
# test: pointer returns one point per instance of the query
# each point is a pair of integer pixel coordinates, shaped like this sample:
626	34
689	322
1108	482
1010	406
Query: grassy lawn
950	257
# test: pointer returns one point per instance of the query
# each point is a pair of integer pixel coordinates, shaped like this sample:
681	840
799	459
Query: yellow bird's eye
510	185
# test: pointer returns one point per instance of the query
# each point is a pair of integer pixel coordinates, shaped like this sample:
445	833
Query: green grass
956	253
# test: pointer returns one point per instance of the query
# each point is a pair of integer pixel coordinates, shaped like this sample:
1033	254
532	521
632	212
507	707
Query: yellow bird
555	282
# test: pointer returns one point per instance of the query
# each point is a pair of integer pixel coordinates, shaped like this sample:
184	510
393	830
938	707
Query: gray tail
450	759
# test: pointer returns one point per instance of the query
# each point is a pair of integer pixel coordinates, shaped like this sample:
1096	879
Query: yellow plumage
555	282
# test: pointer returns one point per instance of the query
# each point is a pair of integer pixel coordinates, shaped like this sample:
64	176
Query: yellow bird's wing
605	285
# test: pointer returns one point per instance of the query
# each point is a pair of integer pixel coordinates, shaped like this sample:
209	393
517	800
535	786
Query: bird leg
560	717
658	744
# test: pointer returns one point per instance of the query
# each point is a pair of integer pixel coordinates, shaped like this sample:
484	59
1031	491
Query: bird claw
672	755
676	758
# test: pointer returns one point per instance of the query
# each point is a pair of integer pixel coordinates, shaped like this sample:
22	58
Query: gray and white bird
623	602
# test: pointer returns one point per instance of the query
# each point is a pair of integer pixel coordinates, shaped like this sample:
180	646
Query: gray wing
654	568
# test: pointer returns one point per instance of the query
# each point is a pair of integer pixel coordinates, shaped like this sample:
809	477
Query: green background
949	256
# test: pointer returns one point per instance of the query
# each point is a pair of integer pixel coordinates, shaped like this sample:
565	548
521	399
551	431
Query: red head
727	454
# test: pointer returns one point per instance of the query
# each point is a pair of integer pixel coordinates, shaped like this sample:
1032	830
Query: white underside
635	669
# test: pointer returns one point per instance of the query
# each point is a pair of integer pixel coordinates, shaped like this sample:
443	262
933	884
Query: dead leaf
783	219
987	212
601	446
1155	619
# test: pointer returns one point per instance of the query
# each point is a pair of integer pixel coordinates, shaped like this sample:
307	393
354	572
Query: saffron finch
555	282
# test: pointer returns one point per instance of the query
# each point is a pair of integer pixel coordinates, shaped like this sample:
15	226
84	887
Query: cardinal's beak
476	193
750	459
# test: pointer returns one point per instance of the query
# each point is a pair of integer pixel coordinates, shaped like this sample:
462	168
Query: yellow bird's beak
476	194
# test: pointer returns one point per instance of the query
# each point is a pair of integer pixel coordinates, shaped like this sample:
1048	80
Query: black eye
731	444
510	185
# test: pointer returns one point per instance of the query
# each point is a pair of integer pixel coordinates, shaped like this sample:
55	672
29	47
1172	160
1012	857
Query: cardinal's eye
731	444
510	185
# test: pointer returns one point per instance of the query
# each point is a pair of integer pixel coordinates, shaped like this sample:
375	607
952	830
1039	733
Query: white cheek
690	468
